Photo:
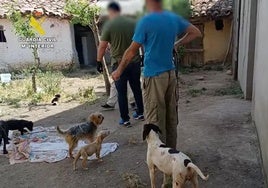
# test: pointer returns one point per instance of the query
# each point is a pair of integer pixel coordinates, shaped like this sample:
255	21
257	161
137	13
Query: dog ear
148	127
93	118
157	130
96	118
146	130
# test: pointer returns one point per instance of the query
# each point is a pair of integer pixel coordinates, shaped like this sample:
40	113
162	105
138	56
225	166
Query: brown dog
90	149
85	131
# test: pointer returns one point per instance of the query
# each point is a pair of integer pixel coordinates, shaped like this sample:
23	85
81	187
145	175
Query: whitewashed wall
13	55
260	95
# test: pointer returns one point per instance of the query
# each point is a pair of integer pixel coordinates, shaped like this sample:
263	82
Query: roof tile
211	8
49	7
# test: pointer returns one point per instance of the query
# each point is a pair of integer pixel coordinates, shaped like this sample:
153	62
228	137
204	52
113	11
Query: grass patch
84	95
233	89
196	92
20	91
133	181
213	67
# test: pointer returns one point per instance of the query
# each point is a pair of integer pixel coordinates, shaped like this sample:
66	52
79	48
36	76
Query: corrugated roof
211	8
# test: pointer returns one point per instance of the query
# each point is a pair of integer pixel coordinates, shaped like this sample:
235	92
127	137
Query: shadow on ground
215	131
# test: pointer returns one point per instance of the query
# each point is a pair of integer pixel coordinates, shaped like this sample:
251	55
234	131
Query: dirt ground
215	130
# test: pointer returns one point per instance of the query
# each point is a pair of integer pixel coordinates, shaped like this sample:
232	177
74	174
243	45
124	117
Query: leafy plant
23	29
85	13
50	82
86	93
181	7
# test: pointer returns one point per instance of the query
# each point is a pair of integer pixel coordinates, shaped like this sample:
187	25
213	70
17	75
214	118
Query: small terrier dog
90	149
4	135
83	131
170	161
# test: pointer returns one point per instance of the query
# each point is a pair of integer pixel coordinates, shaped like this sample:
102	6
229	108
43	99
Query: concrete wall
246	46
12	54
260	105
216	42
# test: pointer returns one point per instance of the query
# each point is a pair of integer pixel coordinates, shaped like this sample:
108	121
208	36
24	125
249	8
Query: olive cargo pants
160	102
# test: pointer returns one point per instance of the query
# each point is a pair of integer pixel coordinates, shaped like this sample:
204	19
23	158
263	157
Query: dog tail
198	171
60	131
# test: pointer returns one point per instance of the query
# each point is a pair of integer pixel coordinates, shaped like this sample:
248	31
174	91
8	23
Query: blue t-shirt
157	33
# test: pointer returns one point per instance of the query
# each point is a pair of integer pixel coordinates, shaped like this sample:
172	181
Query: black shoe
107	106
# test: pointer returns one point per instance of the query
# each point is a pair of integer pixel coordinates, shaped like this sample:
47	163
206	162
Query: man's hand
116	75
99	67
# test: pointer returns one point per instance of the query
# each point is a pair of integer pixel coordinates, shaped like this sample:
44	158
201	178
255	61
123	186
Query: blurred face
152	5
147	4
112	14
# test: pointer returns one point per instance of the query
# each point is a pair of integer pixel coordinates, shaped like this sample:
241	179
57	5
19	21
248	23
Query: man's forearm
127	57
101	53
186	39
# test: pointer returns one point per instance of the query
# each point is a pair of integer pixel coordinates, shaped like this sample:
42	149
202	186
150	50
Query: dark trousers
132	75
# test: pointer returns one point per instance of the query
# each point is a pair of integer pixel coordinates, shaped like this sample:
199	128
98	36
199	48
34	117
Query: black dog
19	125
4	135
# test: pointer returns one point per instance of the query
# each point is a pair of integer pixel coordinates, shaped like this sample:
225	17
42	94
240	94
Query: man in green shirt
118	32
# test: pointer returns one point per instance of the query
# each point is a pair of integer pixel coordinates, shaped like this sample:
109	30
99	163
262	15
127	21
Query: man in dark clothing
118	32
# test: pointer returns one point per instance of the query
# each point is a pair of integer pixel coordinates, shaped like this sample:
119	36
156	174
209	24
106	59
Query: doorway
85	46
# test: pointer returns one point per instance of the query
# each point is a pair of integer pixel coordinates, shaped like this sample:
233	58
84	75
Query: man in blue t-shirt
157	32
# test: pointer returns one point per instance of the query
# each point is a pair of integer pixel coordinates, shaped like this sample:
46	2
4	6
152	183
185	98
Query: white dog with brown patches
170	161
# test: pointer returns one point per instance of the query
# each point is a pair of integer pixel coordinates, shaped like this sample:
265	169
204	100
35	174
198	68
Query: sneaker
138	116
124	123
107	106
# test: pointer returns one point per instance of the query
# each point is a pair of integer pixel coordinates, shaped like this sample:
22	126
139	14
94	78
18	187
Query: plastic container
5	77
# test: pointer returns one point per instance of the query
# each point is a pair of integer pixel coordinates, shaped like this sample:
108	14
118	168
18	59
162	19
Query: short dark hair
114	6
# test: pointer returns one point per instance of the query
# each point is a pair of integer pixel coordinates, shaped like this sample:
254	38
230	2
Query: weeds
132	181
196	92
233	89
20	91
83	95
185	70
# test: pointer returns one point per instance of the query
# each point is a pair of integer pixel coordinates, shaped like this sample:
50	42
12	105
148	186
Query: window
2	34
219	25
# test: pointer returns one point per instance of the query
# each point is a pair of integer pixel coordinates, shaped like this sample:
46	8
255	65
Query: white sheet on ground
46	146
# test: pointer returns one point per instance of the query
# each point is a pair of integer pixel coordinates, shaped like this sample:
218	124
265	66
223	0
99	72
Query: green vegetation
19	92
233	89
84	95
181	7
22	28
196	92
85	13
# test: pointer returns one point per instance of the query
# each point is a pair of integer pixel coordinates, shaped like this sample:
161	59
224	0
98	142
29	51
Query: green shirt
119	32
